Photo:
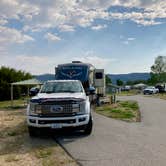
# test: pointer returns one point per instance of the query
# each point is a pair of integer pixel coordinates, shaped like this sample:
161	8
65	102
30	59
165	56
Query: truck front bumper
58	122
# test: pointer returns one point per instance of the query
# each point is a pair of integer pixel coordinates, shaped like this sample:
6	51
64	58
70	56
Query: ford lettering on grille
56	109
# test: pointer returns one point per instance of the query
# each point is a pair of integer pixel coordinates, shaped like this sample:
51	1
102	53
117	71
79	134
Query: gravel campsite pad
17	147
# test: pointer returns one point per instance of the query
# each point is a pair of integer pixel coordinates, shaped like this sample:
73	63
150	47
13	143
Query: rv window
99	75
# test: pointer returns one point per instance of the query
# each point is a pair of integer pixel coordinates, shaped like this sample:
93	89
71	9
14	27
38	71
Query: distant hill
129	77
45	77
114	77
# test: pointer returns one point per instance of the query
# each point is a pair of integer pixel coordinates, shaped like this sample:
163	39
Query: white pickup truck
60	104
150	90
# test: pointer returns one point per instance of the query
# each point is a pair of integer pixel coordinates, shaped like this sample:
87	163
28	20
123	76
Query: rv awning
28	82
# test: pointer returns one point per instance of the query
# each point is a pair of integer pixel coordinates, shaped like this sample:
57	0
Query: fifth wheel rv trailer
90	77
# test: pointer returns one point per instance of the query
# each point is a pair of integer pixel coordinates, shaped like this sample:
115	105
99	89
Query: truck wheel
32	131
89	127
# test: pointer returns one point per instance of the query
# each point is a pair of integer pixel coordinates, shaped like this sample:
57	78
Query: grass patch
20	103
129	104
129	93
18	130
43	152
123	110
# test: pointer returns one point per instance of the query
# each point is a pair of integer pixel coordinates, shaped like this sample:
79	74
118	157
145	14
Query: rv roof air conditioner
76	62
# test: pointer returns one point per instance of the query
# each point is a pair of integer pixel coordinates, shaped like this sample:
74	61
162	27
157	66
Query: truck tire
32	131
89	126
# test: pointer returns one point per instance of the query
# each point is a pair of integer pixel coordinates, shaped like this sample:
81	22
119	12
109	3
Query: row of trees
157	75
9	75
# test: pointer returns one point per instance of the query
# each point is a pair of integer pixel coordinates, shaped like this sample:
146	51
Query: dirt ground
17	148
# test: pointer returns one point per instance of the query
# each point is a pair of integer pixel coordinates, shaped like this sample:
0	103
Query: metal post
28	91
11	90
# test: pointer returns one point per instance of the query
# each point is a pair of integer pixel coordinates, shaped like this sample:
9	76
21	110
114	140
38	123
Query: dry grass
12	158
17	148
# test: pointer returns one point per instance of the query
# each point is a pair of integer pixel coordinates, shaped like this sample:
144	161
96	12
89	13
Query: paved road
118	143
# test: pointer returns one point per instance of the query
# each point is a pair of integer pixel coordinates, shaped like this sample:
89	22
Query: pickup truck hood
60	96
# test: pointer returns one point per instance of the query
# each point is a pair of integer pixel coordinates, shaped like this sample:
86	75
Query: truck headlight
82	107
38	109
34	109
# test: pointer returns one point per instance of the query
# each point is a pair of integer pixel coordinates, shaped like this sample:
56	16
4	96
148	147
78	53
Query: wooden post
11	91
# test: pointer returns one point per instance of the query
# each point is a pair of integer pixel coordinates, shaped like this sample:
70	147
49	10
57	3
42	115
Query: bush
9	75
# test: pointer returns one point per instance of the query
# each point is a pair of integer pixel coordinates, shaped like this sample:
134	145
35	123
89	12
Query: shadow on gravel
68	135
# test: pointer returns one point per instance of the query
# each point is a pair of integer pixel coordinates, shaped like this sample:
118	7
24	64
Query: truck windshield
62	87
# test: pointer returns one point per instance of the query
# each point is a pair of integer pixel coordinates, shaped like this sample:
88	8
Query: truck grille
62	108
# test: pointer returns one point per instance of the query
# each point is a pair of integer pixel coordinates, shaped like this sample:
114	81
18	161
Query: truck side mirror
34	91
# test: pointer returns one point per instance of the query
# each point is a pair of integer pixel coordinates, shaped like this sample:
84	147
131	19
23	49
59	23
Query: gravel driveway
118	143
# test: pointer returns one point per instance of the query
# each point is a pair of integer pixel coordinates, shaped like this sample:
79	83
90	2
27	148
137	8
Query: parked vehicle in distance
126	88
161	87
60	104
150	90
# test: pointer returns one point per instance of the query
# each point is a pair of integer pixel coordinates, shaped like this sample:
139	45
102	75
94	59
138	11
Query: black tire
89	126
32	131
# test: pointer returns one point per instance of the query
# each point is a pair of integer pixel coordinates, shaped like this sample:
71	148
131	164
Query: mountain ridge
129	77
114	77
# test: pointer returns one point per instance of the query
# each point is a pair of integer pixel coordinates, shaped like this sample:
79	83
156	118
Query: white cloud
66	28
15	8
131	38
98	27
67	14
97	61
33	63
126	42
147	22
145	18
3	21
52	37
9	35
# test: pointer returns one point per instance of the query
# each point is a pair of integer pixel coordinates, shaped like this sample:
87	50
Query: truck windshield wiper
50	92
46	92
68	91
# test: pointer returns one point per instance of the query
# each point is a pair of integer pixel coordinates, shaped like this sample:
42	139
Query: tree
9	75
158	70
136	82
159	66
119	82
108	80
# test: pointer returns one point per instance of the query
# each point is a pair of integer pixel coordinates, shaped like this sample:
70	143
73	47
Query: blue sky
119	36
